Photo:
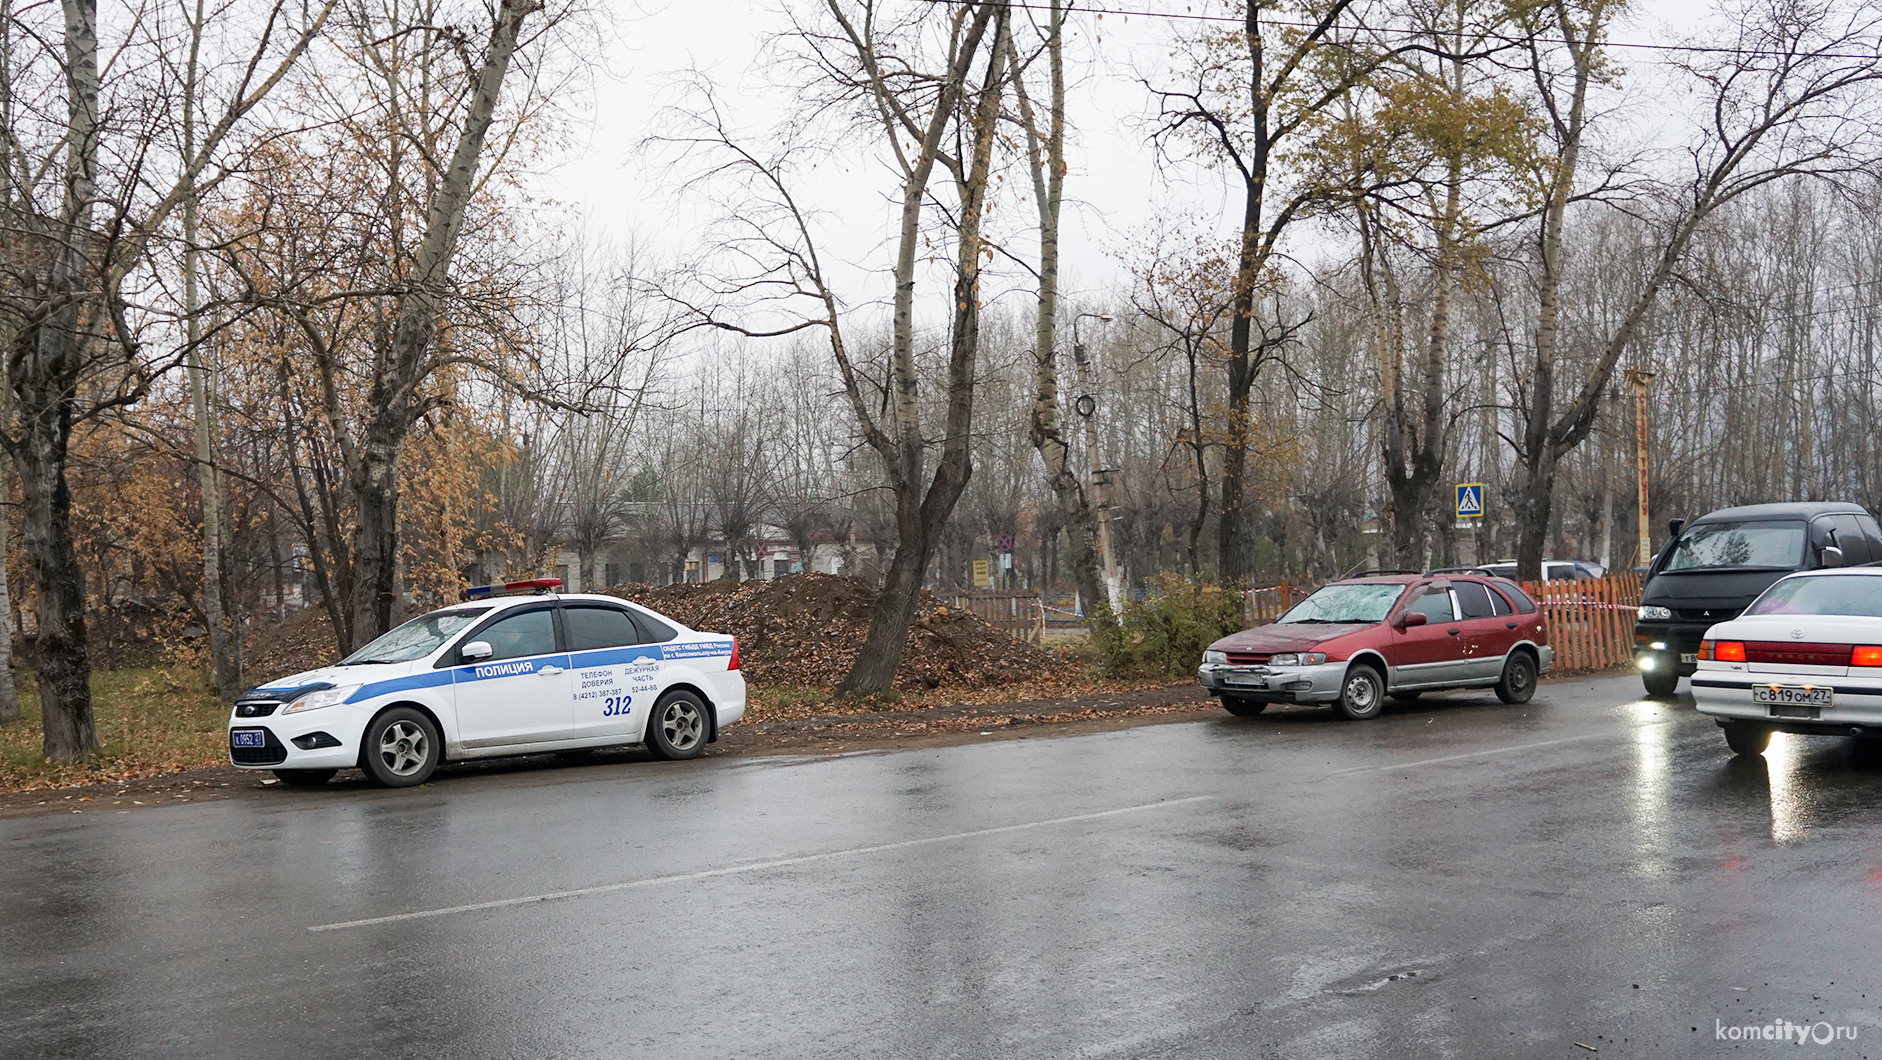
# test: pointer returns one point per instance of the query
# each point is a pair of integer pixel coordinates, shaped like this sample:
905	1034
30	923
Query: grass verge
151	720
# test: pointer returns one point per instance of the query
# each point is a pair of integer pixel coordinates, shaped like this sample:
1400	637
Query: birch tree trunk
224	665
1046	155
393	402
920	514
9	691
78	324
45	386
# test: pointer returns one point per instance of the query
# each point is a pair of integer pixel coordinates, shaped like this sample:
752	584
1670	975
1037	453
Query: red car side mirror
1412	618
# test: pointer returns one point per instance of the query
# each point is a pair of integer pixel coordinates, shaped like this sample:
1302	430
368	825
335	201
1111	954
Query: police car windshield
417	638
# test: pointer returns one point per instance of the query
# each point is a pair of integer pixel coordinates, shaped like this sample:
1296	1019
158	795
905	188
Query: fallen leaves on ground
805	630
151	721
795	703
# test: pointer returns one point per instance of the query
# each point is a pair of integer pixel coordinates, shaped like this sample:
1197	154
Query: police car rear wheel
401	748
677	727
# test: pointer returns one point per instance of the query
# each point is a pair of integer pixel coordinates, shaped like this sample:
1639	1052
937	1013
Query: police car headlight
326	697
1652	613
1217	658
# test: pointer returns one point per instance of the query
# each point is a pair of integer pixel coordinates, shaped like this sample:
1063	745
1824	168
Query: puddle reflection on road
1790	811
1653	769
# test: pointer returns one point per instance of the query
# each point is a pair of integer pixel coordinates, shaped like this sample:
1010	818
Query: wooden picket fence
1261	606
1017	614
1591	622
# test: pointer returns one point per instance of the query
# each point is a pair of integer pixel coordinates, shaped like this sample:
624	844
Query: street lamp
1087	408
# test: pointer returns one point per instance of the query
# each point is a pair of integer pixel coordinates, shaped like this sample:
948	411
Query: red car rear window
1516	596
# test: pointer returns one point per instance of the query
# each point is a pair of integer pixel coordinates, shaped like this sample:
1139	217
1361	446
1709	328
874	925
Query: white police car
495	676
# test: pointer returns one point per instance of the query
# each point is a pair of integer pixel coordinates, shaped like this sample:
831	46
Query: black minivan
1712	568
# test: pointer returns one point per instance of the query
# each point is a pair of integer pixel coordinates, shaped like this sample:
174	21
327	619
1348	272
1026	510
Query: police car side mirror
476	649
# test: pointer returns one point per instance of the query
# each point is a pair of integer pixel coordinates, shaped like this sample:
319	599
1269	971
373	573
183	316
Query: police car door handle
550	670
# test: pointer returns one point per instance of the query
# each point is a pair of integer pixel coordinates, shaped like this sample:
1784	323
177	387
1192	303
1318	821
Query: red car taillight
733	665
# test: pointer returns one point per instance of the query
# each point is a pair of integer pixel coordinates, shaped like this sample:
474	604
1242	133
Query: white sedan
1805	657
506	675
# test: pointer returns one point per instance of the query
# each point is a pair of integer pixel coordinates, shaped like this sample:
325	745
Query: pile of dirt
801	629
304	642
133	633
805	629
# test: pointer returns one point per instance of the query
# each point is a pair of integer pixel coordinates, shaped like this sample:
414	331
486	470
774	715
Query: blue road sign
1470	500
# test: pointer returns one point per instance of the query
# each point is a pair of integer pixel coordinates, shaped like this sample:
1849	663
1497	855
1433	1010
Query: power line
1507	38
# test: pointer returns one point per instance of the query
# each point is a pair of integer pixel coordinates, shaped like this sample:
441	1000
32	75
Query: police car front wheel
401	748
677	727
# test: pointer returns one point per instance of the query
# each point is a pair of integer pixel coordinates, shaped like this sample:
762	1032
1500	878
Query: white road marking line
1491	751
760	866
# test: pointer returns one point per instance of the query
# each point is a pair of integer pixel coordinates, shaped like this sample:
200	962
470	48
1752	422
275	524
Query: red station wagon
1355	642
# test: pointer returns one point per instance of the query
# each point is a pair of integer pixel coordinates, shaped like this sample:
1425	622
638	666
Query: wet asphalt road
1454	879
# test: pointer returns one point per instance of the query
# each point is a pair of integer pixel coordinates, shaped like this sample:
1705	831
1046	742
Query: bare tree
1046	165
1244	105
1428	148
77	348
926	119
1787	95
612	348
396	397
1186	289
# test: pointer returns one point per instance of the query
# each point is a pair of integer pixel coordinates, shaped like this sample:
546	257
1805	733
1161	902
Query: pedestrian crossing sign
1470	500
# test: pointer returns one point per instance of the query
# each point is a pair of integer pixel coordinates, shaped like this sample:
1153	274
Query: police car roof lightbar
529	585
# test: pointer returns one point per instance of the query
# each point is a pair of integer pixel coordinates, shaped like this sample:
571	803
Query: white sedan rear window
1825	594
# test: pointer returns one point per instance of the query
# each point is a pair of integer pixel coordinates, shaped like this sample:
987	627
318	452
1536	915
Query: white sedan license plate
1779	697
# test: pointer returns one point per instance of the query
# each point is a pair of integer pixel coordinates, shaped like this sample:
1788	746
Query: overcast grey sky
1114	187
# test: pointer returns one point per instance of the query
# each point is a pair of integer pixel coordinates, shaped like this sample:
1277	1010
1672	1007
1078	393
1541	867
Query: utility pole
1640	379
1087	407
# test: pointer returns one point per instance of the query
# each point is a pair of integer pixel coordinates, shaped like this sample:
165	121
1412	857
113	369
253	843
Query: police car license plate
1782	698
248	738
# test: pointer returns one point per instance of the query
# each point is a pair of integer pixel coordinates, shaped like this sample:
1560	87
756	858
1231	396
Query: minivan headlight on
1655	613
1305	658
326	697
1213	657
